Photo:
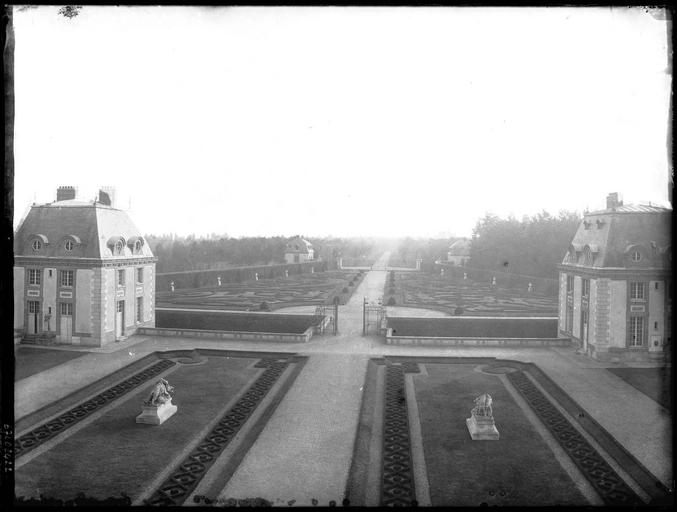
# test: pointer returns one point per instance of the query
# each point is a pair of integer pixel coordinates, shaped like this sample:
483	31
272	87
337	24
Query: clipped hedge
228	321
469	327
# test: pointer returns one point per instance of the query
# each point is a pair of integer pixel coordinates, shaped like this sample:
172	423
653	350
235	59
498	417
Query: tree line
533	246
214	251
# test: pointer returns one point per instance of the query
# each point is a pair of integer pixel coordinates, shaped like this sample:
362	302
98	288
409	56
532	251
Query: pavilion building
459	252
83	273
615	283
298	250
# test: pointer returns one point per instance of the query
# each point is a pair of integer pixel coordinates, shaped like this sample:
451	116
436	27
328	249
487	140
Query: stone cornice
48	261
616	272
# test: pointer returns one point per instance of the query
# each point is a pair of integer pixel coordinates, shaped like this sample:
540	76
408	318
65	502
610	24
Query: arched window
68	246
36	245
636	256
137	246
118	247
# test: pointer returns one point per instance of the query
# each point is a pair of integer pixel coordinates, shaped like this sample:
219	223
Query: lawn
30	361
116	455
653	382
518	469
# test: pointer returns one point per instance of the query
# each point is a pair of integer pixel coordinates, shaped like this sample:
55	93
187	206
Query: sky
335	121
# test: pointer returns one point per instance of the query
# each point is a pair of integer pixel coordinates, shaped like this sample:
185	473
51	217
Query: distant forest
533	246
220	251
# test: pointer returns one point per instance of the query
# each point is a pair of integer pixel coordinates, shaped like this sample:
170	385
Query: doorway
119	319
66	322
33	325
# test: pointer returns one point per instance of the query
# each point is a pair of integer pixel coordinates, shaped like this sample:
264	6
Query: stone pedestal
482	429
157	414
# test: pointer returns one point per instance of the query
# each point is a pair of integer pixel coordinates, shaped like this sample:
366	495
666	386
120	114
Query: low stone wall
475	342
230	335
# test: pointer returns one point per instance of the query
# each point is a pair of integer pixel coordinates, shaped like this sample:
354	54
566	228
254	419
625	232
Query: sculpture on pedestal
158	408
481	422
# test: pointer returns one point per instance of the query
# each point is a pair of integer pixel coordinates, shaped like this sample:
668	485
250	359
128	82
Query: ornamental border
49	429
609	485
397	468
178	486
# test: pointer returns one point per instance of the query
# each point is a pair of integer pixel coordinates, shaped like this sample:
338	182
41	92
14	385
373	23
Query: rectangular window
33	276
67	278
570	284
139	275
121	277
139	309
637	291
33	307
66	309
636	331
586	287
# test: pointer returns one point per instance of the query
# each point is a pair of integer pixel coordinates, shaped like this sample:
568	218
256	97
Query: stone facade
83	275
615	297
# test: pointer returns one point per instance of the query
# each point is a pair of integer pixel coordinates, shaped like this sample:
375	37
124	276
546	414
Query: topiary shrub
345	290
391	301
350	283
264	306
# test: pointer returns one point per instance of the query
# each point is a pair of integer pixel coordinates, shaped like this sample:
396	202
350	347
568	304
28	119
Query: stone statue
256	276
530	288
218	280
481	422
160	394
158	408
172	285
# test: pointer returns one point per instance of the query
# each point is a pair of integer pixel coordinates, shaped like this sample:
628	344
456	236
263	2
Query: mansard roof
90	226
298	244
460	247
631	236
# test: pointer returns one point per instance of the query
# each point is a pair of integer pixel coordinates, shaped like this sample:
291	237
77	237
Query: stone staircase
43	338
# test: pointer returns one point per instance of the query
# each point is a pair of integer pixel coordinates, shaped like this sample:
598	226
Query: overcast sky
340	121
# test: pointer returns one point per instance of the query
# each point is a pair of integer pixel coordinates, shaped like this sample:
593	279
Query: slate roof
92	226
613	235
298	244
460	247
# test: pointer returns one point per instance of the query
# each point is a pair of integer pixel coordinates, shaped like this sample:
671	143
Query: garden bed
115	455
267	294
466	297
518	469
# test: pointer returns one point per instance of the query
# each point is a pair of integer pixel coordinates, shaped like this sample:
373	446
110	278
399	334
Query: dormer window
636	256
137	246
68	246
600	223
36	245
586	224
118	247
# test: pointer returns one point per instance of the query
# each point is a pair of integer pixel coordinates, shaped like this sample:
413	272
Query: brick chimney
612	201
65	193
107	195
